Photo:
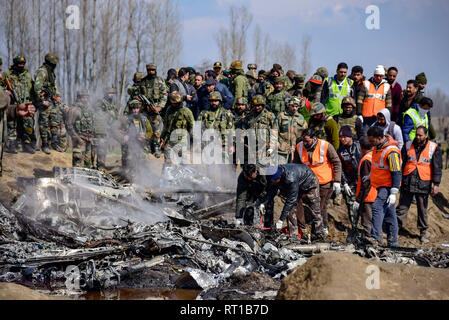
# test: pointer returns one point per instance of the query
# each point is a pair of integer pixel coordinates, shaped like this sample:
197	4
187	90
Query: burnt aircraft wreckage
81	230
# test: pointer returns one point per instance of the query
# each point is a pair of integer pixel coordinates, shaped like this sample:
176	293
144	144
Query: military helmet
138	76
300	78
237	65
322	72
291	73
51	58
215	95
151	66
241	100
218	65
175	97
259	100
293	101
348	100
316	79
18	60
110	91
135	104
251	74
317	108
82	93
252	66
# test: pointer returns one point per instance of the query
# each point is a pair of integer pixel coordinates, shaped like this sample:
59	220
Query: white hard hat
380	70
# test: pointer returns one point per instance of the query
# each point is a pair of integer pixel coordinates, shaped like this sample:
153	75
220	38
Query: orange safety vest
423	164
380	170
318	163
372	195
375	100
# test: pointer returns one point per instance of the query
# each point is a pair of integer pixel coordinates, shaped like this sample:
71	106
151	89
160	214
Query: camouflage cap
300	78
259	100
18	60
322	72
348	100
110	91
51	58
237	64
151	66
241	100
218	65
317	108
215	95
421	78
251	74
252	66
138	76
175	97
291	73
82	93
293	101
135	104
277	66
279	79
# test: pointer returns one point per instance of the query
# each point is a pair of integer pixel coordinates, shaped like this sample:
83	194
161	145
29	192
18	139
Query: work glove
279	225
391	201
337	188
361	118
238	222
355	206
347	189
262	209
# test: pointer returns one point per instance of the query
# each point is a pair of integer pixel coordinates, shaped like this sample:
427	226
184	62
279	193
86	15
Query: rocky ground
322	277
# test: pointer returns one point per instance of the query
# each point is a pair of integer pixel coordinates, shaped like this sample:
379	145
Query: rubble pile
80	231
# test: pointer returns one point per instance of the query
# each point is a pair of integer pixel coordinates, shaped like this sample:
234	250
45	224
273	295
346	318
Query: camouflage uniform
4	102
263	121
51	124
106	112
176	118
134	90
289	128
22	84
263	88
240	85
276	100
138	129
81	127
155	90
312	89
298	86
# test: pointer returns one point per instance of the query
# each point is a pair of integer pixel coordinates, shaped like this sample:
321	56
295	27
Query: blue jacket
203	97
409	125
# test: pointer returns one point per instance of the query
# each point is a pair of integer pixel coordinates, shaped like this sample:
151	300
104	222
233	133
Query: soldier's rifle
147	103
22	111
13	92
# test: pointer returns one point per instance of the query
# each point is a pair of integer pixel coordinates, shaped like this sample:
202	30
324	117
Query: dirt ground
344	276
11	291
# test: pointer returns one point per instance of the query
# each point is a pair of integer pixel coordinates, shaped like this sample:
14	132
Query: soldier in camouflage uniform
178	116
155	90
276	99
324	125
23	121
51	109
290	124
80	125
106	113
134	90
137	135
240	113
263	122
4	103
263	86
240	84
218	67
298	86
312	89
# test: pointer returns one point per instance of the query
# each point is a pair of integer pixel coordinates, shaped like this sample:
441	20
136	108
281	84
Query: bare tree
305	55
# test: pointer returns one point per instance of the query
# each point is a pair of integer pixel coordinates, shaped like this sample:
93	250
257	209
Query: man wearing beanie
350	155
374	96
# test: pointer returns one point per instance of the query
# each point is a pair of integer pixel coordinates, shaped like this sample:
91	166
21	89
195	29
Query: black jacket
249	192
295	180
350	158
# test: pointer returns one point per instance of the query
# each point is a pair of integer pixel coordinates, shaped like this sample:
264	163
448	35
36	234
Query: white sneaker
326	231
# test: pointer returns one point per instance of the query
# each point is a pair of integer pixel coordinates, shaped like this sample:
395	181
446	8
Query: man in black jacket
421	175
251	190
350	155
297	183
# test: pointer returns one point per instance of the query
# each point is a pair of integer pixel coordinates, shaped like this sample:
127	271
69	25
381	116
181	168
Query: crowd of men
366	139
